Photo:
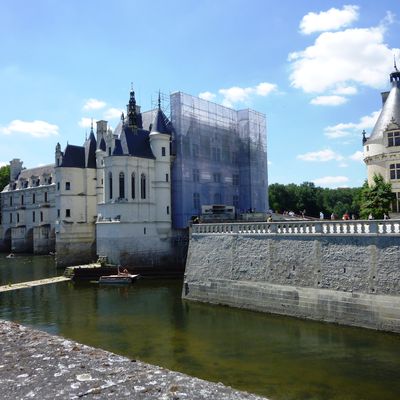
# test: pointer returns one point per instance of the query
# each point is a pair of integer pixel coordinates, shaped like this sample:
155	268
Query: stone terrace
37	365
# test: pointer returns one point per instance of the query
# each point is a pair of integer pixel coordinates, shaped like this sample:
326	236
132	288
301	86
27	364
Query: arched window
121	185
143	186
110	185
133	189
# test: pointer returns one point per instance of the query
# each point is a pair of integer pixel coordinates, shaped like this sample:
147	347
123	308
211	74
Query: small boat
119	277
11	255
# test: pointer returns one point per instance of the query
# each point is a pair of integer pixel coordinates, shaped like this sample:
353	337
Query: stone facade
382	147
350	279
28	210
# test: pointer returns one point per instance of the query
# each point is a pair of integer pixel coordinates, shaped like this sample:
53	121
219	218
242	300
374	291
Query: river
279	357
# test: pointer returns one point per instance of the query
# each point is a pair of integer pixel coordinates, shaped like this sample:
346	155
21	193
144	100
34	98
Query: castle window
196	201
67	185
163	151
110	185
17	217
41	216
195	150
394	171
121	185
393	139
166	177
217	177
109	151
133	183
167	210
22	200
143	186
58	185
33	198
33	216
196	175
67	212
45	197
11	201
50	180
10	218
58	213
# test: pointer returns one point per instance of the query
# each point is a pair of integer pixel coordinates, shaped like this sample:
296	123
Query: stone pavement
36	365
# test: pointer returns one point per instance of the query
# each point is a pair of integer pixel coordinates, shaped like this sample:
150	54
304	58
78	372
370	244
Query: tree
4	176
376	199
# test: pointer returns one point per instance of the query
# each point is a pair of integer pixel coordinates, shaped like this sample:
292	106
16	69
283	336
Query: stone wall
350	278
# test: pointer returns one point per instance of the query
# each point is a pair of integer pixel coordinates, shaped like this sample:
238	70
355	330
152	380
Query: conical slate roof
161	124
391	109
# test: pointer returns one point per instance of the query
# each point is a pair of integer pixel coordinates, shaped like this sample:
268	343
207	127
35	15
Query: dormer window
393	139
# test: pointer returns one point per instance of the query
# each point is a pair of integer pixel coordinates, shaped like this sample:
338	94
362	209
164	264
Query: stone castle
130	194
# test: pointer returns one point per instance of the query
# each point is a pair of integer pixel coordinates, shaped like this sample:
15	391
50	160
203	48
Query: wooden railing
352	227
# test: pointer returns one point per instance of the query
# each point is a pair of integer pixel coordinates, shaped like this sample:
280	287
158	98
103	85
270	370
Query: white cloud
350	57
345	90
112	113
320	156
332	19
94	104
265	88
3	164
37	129
207	96
357	156
332	100
85	122
352	128
331	181
237	94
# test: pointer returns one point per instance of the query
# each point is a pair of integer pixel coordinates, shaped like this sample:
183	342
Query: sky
314	68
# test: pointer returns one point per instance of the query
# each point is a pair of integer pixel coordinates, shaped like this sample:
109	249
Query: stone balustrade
303	227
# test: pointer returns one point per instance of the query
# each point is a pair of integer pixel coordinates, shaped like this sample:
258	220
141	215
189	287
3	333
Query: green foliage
313	200
376	199
4	176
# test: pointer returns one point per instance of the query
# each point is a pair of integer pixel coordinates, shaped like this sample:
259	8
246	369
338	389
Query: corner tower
382	147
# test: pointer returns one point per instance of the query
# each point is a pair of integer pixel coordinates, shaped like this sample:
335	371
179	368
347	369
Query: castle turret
160	138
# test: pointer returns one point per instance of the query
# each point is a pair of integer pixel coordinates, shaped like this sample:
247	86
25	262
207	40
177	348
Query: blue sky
315	68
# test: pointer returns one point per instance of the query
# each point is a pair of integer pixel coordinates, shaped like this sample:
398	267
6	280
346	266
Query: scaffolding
221	157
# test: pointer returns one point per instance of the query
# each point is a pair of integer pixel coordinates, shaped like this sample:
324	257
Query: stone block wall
348	279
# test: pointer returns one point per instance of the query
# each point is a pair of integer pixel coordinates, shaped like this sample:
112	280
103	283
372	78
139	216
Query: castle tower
382	147
160	139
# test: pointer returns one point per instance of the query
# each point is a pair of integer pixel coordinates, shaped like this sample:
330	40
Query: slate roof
390	109
37	171
161	124
81	156
74	157
90	151
134	142
102	145
118	148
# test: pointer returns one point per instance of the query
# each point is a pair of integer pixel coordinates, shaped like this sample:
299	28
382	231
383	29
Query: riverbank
34	364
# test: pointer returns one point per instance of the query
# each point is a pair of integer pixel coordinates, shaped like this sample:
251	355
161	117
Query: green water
278	357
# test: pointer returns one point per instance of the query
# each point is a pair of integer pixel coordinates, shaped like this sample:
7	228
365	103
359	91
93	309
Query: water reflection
279	357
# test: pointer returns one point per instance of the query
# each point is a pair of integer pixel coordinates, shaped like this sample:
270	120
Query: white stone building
134	209
382	147
28	209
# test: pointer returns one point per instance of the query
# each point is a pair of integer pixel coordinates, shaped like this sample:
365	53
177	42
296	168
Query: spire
91	126
395	75
131	109
364	139
159	99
